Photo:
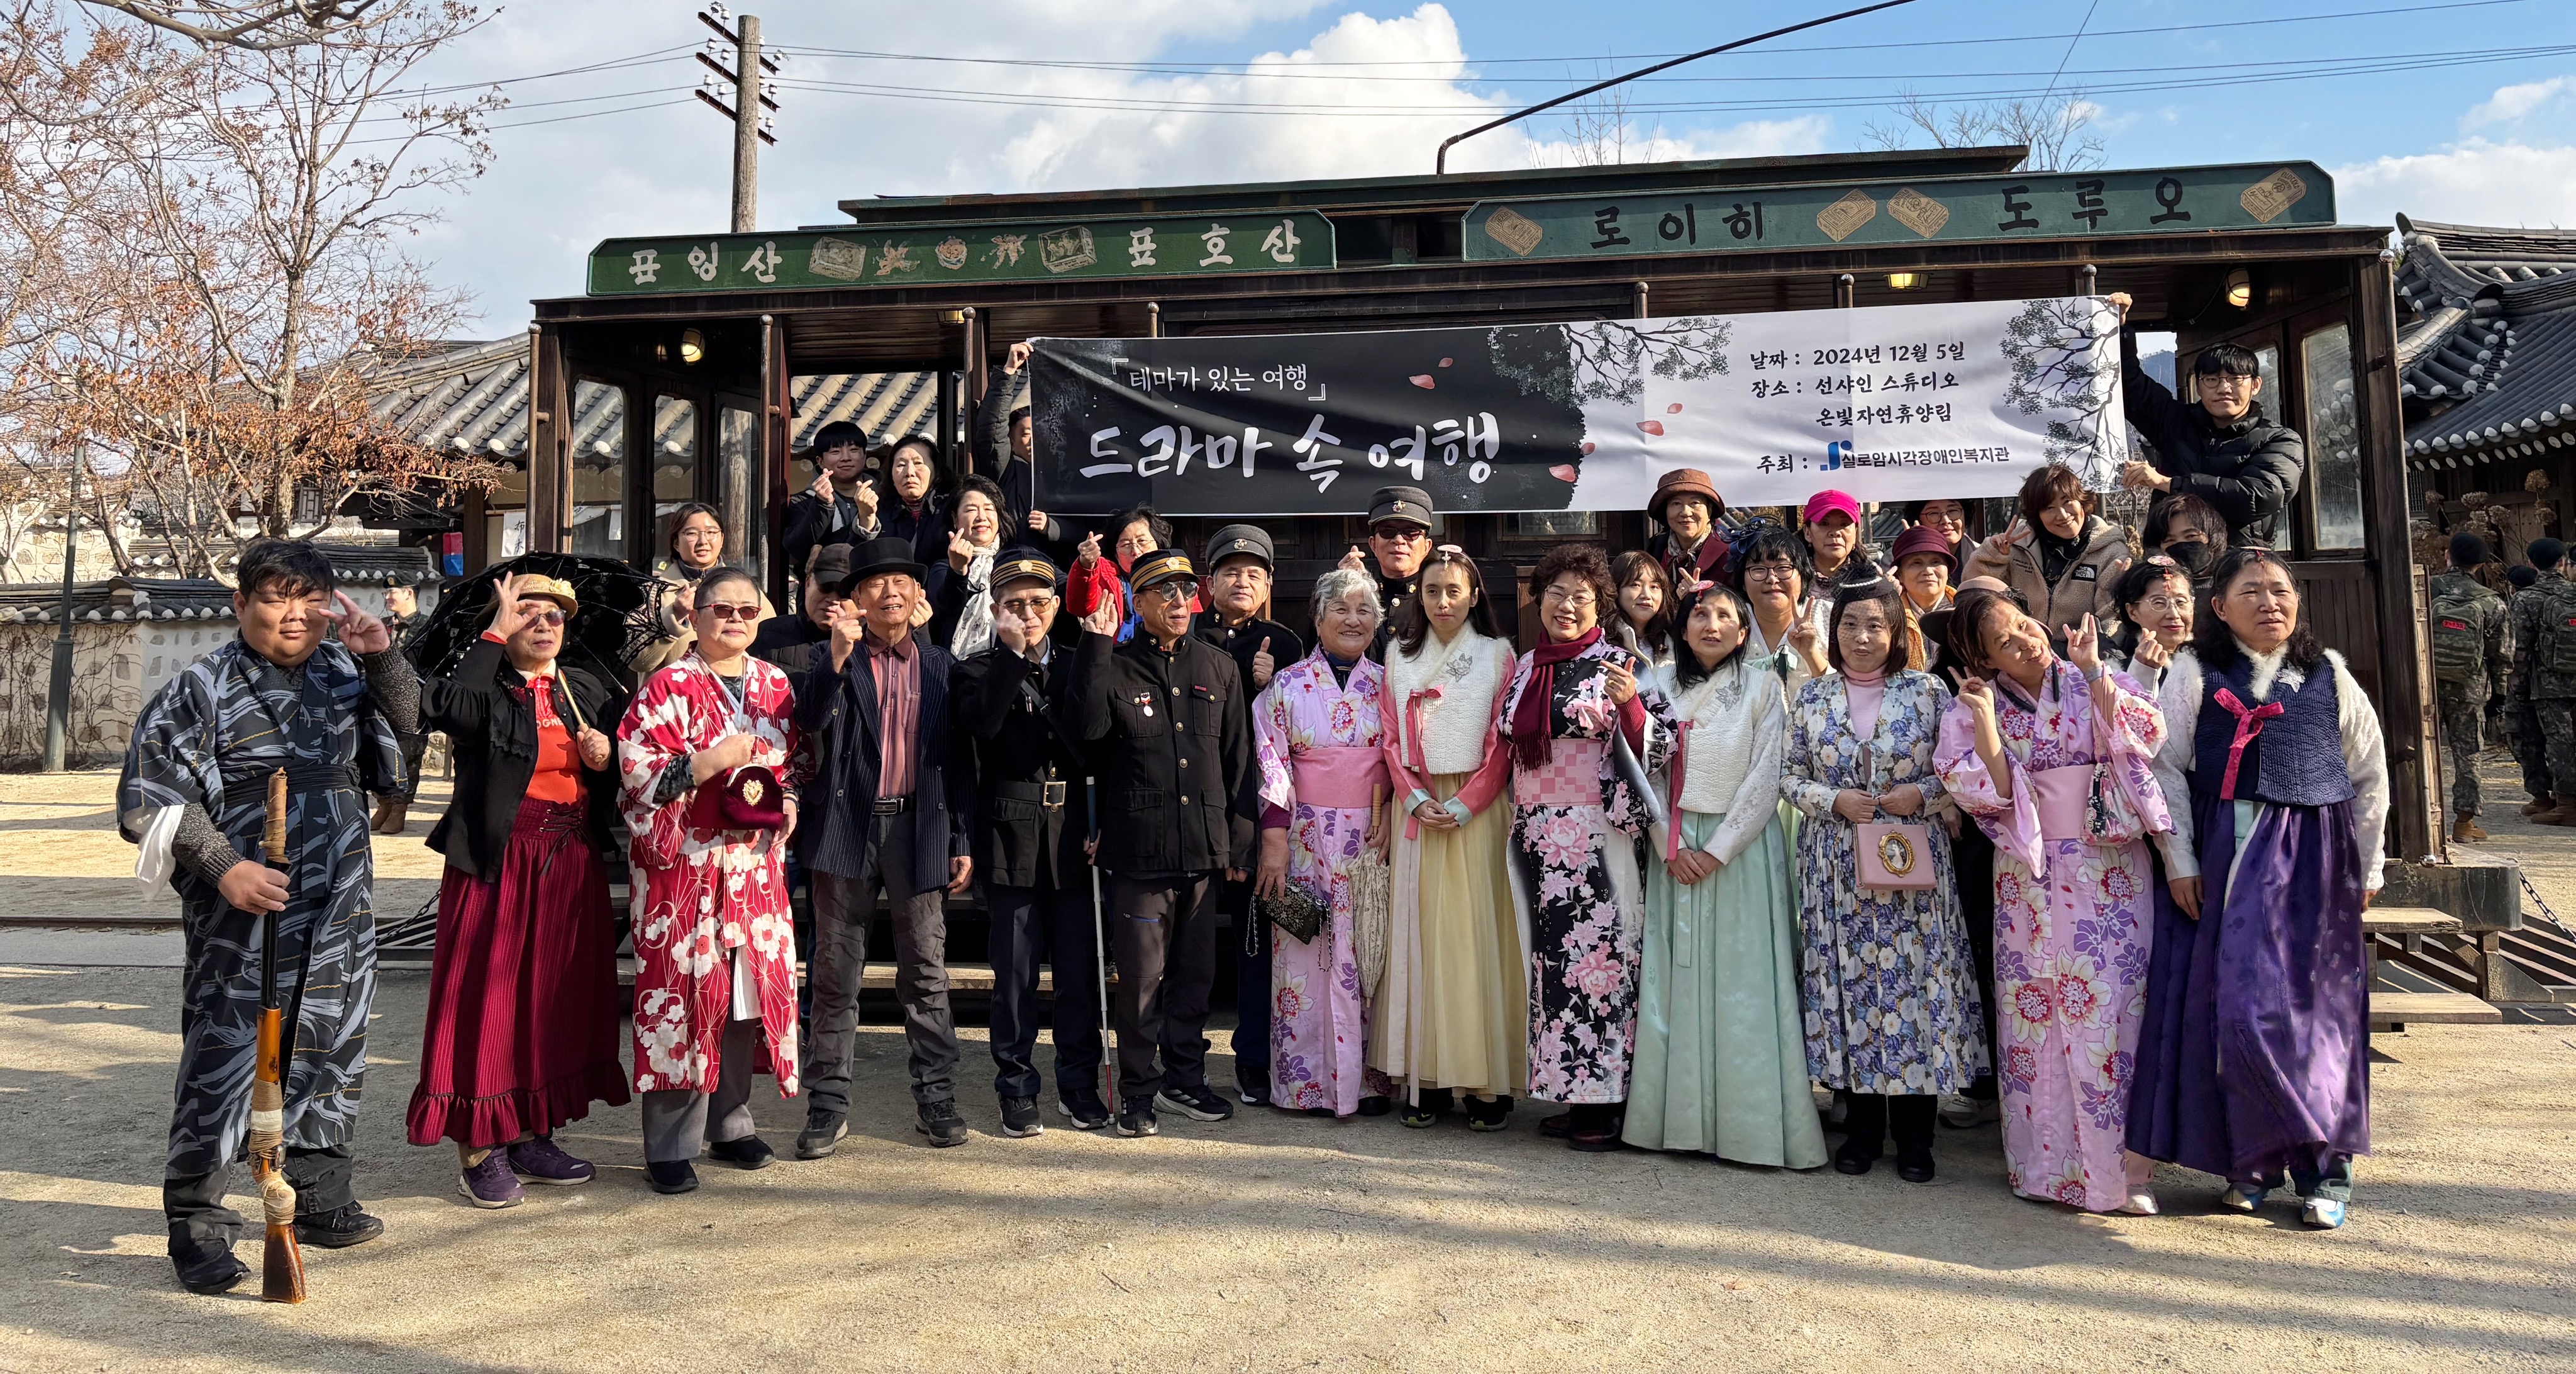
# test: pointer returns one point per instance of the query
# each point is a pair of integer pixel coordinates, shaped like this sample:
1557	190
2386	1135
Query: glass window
2267	362
598	469
2333	435
675	471
1555	524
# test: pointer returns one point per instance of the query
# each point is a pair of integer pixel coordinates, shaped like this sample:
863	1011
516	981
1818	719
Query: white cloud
952	127
2511	103
2476	182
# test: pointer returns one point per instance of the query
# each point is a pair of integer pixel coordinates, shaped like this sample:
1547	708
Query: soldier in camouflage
2544	664
2469	661
2512	716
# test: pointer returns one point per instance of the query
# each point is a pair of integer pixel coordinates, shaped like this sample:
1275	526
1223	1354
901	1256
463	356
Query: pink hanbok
1321	752
2073	923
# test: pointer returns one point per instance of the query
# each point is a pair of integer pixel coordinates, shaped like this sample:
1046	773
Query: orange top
558	775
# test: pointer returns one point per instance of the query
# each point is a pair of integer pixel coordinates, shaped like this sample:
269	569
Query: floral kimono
1321	749
1891	1000
1577	816
2073	921
706	899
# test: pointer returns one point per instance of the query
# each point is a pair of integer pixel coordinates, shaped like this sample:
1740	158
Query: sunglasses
1399	534
552	616
1178	589
726	610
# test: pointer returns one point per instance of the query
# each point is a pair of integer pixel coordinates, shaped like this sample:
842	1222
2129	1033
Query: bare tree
2056	128
254	27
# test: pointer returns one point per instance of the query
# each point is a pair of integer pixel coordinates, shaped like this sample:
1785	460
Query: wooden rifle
281	1271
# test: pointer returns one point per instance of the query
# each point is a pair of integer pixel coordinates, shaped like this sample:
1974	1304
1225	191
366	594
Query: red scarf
1532	741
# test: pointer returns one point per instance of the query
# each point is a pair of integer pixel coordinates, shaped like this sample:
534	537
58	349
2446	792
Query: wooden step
2408	920
2396	1010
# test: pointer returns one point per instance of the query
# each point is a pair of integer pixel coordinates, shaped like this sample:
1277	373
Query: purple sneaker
489	1184
541	1161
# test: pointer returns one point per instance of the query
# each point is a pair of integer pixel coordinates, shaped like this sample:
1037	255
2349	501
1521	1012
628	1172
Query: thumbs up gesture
1263	665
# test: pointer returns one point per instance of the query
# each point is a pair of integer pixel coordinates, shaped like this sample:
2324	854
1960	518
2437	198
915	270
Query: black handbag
1294	910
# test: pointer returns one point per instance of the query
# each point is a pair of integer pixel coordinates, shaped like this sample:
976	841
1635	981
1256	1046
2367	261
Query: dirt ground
1268	1242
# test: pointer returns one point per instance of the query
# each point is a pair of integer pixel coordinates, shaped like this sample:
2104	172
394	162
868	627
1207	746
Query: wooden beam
549	421
2405	670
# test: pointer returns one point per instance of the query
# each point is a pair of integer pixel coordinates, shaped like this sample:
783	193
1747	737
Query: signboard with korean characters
914	255
1881	214
1890	403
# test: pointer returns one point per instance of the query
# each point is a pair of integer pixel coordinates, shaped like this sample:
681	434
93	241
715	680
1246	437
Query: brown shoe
2534	807
390	816
2466	831
2564	813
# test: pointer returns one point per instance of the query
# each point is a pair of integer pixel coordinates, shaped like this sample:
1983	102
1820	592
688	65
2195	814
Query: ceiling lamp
693	347
1904	281
2240	288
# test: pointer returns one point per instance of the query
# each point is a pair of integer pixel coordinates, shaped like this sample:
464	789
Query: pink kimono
1321	752
2073	922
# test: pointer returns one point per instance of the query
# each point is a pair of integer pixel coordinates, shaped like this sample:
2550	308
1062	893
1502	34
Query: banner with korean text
1890	403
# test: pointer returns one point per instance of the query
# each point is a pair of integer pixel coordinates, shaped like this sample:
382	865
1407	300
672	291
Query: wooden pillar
2404	669
947	422
477	529
777	416
976	386
549	457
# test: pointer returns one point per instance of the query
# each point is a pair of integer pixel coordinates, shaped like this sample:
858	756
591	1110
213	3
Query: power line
2069	54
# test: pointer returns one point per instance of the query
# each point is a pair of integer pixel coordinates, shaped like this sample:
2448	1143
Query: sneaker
1020	1118
490	1185
1961	1112
206	1267
822	1134
745	1152
1196	1103
542	1161
940	1122
1082	1106
1914	1164
1137	1118
2322	1213
2244	1197
1488	1113
1425	1114
338	1229
1255	1092
671	1175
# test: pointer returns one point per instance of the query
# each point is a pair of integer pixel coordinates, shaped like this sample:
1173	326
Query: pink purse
1894	855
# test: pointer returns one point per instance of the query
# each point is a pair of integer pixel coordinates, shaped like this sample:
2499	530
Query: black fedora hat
878	557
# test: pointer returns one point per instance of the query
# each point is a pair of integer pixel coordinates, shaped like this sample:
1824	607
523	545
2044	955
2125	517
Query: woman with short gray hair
1320	743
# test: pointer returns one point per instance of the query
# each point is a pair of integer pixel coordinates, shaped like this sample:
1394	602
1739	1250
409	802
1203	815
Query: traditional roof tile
2487	356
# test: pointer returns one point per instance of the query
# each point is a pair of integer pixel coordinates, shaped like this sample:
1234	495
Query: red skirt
523	1004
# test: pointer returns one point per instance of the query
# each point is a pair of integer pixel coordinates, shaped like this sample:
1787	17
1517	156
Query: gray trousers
843	910
1165	934
679	1123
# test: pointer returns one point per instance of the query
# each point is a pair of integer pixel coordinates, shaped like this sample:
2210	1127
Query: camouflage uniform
2550	603
2462	701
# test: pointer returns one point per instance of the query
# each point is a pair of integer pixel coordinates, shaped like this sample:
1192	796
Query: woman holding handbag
1583	732
1321	749
2052	757
708	789
1891	1003
1451	1013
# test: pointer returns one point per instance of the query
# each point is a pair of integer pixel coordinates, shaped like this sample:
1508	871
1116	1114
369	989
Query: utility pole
58	697
740	86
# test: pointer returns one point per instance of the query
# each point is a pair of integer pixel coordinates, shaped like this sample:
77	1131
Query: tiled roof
119	599
2488	353
474	398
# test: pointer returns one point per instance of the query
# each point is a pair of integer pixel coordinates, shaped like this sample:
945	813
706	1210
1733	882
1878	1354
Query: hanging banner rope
1890	403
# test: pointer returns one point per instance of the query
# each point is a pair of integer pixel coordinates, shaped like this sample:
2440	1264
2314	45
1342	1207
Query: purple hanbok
2253	1061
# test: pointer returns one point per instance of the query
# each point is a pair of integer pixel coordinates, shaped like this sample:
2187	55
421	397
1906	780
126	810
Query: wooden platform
2397	1010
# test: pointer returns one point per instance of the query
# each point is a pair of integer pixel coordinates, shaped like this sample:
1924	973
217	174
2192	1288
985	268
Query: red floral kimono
705	892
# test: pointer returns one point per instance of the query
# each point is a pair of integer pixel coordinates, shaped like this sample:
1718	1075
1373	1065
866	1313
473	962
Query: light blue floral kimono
1890	996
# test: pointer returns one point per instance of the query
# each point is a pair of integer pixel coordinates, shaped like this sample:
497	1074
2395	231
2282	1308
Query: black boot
337	1229
206	1266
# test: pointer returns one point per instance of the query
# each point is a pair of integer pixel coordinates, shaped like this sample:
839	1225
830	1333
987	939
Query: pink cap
1826	503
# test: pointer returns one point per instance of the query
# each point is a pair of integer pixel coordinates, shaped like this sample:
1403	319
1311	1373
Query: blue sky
1050	97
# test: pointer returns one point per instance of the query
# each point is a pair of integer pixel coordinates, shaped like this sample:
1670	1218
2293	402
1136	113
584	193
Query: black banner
1306	424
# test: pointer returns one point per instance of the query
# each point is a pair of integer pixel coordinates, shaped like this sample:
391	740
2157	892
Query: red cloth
897	668
1531	732
523	999
1083	587
558	774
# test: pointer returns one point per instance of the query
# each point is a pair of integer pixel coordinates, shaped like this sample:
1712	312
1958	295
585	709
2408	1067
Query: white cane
1100	946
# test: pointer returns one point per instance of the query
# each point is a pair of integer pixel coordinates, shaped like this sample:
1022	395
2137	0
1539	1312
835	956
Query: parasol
620	613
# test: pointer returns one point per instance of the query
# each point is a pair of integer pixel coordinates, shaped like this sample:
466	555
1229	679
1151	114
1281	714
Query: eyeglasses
1394	533
551	616
1178	589
1558	596
727	610
1027	607
1771	572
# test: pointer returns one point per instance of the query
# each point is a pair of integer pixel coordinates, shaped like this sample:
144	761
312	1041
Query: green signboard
913	254
1879	214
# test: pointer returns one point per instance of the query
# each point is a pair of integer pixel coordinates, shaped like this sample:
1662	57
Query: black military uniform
1411	505
1172	745
1234	898
1031	819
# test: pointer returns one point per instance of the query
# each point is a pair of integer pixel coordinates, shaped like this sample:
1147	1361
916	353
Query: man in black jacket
1008	444
1399	540
1031	821
1173	748
890	804
2219	448
841	507
1236	590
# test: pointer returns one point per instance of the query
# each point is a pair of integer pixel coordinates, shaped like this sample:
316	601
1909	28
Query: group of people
1949	830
